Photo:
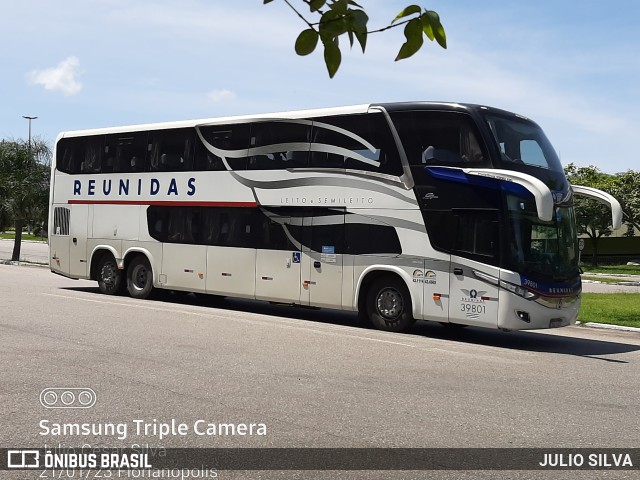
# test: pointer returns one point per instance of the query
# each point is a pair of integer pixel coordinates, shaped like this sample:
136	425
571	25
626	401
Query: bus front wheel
139	278
110	281
389	305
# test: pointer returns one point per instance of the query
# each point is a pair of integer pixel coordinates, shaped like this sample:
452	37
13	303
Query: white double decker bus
454	213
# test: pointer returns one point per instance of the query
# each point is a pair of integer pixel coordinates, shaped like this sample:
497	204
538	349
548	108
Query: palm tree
24	184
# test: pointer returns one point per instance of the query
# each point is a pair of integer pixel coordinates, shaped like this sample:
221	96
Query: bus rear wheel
139	278
110	279
389	305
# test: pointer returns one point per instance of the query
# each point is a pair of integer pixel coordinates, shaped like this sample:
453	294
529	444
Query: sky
571	66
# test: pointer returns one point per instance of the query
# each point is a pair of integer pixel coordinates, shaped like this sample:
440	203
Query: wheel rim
108	274
389	303
139	277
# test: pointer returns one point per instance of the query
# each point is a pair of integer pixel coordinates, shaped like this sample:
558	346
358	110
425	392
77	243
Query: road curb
22	263
622	282
607	326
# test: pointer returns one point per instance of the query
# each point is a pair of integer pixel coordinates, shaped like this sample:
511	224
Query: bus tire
110	278
139	277
389	305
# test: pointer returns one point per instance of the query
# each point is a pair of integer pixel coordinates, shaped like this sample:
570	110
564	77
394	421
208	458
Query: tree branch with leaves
337	18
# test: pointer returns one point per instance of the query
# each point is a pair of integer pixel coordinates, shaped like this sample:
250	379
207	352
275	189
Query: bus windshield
521	141
545	250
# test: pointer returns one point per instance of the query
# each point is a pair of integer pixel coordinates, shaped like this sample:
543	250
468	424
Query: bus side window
367	238
210	225
204	160
268	134
130	151
70	154
157	222
367	136
108	158
171	150
225	229
274	236
439	138
192	230
242	228
324	143
231	139
176	226
93	155
477	234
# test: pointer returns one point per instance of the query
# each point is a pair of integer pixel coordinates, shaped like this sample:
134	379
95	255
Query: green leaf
413	33
362	39
359	20
358	24
332	24
306	42
339	6
410	10
426	27
332	57
437	28
316	5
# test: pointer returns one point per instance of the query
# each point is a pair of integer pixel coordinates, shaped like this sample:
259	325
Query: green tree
24	184
337	18
592	218
626	189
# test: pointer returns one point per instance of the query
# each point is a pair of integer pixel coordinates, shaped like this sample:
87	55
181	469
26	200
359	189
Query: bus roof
294	114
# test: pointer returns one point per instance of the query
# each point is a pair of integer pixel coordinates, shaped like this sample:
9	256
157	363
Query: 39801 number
473	308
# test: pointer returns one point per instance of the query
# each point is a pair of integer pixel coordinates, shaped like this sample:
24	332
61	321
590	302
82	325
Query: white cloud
60	78
223	95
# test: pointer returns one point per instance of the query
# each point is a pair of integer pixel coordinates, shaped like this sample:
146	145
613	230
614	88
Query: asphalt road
312	377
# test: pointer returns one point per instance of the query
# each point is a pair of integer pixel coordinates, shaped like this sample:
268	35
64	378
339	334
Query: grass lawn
12	235
613	269
601	279
612	308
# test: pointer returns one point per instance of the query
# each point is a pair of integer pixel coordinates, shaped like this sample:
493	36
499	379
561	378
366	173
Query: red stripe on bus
163	203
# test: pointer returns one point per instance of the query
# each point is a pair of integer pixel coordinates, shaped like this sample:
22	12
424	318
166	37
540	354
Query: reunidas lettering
128	187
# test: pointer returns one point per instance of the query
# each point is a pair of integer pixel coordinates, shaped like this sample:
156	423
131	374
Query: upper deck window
439	138
279	145
521	141
357	142
171	150
228	143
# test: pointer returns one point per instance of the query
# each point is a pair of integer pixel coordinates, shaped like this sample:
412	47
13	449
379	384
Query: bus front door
278	266
472	299
322	259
